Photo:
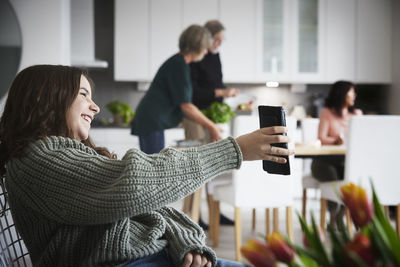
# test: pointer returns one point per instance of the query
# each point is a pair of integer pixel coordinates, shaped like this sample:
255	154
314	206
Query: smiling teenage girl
75	204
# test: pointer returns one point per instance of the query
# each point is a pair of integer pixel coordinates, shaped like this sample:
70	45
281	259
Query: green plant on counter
123	113
219	112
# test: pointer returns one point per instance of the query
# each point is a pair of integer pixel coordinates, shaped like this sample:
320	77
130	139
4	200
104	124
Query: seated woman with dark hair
333	122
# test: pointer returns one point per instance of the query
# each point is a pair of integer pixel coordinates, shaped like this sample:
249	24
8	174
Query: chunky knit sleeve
70	183
184	236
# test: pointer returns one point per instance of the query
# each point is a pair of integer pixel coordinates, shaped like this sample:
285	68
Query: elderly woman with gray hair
169	97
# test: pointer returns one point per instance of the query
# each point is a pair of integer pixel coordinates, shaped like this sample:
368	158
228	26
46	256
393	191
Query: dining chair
252	187
13	251
309	128
373	145
192	203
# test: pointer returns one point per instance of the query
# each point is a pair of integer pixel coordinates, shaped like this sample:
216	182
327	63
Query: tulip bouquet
376	243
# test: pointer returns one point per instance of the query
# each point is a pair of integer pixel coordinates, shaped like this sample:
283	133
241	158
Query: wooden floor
226	248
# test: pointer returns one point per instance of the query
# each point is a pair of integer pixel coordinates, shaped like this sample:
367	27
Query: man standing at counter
169	97
208	87
207	83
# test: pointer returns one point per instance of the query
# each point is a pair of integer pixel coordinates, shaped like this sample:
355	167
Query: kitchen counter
119	139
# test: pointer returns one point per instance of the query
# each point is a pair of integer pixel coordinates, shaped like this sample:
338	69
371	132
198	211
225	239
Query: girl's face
217	41
350	97
82	111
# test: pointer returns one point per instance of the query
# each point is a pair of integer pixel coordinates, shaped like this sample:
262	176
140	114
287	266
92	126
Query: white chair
192	203
252	187
373	148
309	128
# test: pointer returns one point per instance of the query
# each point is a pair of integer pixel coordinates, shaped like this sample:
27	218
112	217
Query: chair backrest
253	186
12	248
373	150
309	128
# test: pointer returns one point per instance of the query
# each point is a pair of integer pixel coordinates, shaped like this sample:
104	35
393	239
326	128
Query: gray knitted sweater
74	207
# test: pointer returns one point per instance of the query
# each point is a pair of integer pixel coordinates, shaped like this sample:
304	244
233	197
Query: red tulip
258	253
281	249
355	199
361	246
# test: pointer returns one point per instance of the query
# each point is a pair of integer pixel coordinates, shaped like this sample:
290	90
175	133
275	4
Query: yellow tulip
258	253
355	199
281	249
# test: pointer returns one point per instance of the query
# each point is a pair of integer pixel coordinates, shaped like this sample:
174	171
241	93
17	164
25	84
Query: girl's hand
195	260
257	145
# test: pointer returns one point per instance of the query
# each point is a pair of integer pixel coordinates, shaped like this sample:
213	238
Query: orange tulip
258	253
361	246
355	199
281	249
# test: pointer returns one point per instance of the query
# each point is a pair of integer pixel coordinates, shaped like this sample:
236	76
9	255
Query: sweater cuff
184	236
220	156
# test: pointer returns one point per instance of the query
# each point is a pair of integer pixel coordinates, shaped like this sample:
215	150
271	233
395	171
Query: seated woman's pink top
332	127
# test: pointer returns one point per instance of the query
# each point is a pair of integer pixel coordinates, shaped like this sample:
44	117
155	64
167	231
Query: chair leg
238	234
195	212
398	219
216	217
276	220
348	222
304	207
267	222
289	223
253	219
323	214
386	210
210	202
187	204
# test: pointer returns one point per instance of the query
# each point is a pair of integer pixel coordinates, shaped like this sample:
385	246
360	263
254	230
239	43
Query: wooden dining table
302	150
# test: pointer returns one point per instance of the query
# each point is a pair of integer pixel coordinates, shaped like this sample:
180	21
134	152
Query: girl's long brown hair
36	107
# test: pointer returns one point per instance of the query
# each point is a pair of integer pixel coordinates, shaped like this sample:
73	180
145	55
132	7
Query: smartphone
274	116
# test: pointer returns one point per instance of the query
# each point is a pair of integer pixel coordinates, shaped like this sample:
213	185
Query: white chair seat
308	181
220	180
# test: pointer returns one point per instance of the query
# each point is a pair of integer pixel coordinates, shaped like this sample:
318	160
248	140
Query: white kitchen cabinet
131	40
238	53
165	28
373	44
291	37
199	12
289	41
147	33
340	40
308	43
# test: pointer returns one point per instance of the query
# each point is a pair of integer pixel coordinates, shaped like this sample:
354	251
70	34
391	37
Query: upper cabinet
238	52
341	41
291	38
289	41
373	43
132	40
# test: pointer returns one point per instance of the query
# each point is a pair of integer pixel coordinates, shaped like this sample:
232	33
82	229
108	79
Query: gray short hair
214	27
194	39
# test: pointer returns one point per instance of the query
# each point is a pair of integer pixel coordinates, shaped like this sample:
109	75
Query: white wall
394	94
45	27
